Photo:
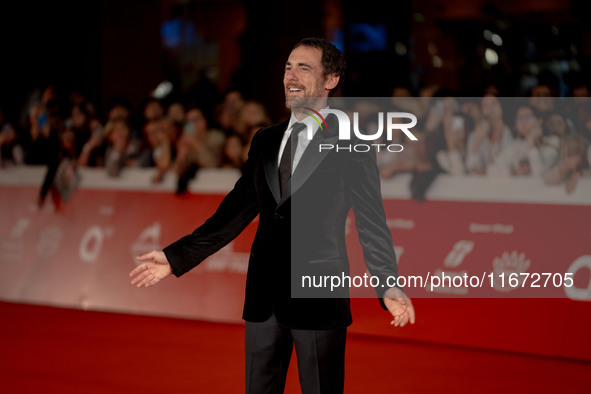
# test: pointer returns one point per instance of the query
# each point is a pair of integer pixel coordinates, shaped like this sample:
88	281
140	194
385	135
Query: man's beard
299	104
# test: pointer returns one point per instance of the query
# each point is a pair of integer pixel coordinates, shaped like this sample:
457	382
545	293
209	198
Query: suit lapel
270	154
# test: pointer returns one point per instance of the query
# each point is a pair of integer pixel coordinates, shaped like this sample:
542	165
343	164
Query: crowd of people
539	135
168	135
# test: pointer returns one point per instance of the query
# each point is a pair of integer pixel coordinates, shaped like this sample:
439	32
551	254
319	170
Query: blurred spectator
391	164
93	151
198	140
43	97
233	153
582	110
541	99
401	91
61	179
490	136
586	129
532	154
197	147
440	107
442	143
470	108
76	98
426	169
251	114
228	111
159	154
403	100
581	93
455	131
117	155
119	109
491	90
571	163
42	140
407	160
152	110
80	119
176	112
556	125
250	135
172	130
11	152
48	96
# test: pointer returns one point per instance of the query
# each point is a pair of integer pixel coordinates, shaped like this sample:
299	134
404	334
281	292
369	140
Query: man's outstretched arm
375	236
235	212
155	268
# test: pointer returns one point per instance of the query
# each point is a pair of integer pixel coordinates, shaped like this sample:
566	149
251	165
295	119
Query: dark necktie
286	163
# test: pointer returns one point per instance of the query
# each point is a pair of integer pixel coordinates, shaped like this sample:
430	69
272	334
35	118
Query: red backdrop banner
80	257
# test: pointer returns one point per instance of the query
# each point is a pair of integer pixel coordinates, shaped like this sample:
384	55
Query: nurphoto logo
388	123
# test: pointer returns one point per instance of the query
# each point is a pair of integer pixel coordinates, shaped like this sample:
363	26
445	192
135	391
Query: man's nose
290	75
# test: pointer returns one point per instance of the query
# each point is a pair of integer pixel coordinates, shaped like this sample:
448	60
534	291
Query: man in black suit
303	195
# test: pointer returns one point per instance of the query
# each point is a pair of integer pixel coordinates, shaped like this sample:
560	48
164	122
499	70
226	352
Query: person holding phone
531	154
489	138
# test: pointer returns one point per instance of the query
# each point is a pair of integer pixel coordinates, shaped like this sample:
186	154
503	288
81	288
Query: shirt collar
308	120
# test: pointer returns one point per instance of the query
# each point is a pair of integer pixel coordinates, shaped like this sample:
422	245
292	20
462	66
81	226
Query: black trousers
320	355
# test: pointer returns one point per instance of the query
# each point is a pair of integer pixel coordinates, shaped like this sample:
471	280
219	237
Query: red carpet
54	350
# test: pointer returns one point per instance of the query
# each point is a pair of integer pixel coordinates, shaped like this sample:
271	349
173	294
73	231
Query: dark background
108	49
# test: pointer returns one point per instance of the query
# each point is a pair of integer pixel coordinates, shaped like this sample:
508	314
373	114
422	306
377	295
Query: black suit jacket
301	233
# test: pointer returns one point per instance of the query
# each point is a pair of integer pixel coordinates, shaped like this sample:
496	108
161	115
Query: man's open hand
400	306
155	268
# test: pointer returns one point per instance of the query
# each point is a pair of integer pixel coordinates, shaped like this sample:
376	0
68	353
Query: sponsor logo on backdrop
13	246
92	242
147	241
49	241
496	228
582	263
509	264
460	250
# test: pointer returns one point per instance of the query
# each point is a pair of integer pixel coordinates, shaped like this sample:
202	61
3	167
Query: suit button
277	216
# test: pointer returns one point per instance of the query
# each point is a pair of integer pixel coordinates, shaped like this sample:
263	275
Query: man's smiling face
304	77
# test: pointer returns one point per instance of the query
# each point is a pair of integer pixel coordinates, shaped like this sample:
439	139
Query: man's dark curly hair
333	60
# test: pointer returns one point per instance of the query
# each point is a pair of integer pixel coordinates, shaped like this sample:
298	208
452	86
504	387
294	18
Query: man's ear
332	80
